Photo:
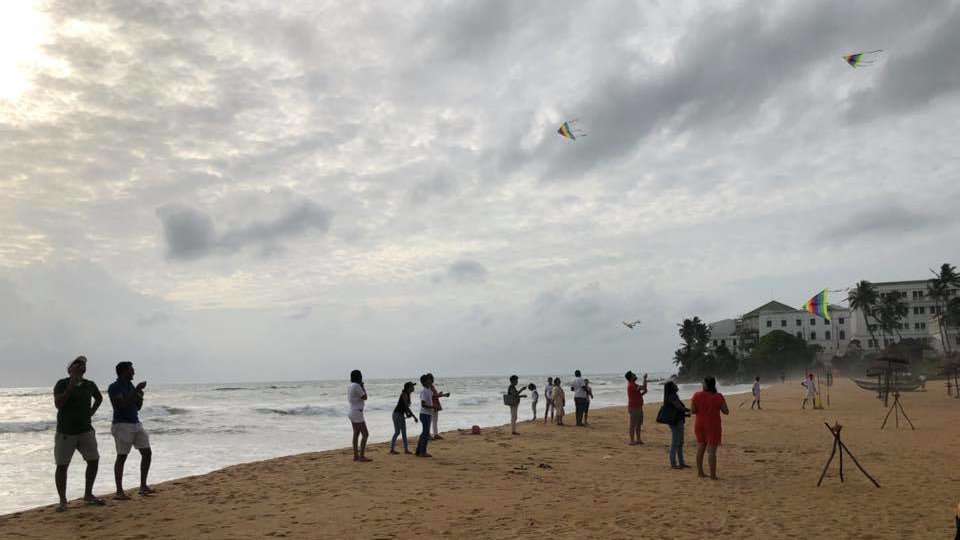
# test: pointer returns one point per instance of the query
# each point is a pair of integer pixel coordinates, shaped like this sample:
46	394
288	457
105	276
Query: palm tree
864	297
890	312
940	289
695	336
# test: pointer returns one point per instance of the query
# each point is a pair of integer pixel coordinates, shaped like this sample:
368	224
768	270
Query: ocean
198	428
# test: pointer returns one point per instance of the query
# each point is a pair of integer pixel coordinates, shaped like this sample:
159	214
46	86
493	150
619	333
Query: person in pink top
707	405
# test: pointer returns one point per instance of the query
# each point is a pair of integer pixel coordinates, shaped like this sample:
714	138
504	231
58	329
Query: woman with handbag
674	414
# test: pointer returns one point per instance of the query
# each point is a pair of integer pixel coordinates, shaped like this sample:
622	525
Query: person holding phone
514	399
400	414
426	411
72	397
128	432
635	393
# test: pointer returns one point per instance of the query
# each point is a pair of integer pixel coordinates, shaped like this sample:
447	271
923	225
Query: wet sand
594	486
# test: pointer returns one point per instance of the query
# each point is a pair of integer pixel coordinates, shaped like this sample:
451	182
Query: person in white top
548	404
579	396
756	393
534	398
426	413
811	393
357	396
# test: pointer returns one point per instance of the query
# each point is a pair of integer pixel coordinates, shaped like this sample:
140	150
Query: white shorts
128	435
356	417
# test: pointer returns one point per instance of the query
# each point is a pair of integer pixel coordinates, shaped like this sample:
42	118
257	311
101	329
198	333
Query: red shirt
634	396
708	410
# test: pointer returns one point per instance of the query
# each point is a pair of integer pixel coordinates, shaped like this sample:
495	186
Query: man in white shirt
811	393
426	414
579	395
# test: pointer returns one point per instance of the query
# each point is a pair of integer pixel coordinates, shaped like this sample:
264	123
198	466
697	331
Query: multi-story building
921	322
740	335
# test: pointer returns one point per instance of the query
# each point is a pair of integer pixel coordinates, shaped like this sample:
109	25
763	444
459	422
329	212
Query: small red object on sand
475	430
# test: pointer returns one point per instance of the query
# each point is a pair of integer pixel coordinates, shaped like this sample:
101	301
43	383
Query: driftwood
838	445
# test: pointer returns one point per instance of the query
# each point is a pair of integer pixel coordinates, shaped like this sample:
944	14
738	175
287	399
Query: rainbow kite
818	305
570	130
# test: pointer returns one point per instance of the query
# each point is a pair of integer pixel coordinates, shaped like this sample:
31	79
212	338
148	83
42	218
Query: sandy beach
593	486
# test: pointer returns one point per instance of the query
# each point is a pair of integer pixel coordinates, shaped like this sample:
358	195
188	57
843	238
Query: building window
843	335
826	335
783	323
734	344
813	322
799	323
921	309
769	324
840	320
723	342
800	335
813	336
923	326
714	343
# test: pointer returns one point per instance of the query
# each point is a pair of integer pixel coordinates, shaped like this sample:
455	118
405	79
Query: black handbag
667	415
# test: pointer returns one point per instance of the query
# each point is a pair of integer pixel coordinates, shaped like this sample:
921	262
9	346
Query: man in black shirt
72	397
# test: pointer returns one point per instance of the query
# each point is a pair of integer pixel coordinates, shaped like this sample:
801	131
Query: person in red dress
707	405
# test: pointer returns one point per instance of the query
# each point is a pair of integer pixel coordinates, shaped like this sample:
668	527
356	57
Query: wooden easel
897	410
838	444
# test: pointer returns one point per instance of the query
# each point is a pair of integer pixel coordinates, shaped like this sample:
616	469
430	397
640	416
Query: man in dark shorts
128	432
72	397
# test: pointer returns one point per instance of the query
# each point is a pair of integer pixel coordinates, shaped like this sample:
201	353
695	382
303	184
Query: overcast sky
230	191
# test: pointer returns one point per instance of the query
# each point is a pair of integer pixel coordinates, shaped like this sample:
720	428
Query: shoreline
498	486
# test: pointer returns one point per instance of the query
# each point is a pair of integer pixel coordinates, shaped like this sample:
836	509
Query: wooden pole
843	447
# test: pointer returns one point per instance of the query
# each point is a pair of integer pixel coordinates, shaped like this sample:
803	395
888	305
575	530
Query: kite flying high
630	325
570	130
862	59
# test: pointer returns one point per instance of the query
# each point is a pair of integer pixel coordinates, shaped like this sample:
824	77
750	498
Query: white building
920	322
740	335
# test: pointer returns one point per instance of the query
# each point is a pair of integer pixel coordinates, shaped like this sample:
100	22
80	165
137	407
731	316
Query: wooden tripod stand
897	410
838	445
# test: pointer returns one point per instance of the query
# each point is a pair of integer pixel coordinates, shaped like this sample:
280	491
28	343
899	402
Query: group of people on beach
555	400
77	400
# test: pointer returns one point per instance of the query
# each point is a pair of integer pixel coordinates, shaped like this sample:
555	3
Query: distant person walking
357	396
426	412
534	398
635	393
579	396
559	400
437	407
513	396
400	414
810	393
72	397
586	408
548	401
128	432
707	405
756	394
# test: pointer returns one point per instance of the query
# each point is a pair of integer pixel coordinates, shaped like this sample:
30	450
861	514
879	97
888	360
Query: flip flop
146	492
61	508
96	501
121	497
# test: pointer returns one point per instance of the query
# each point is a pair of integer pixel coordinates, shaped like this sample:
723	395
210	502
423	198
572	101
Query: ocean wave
305	410
27	427
27	394
230	389
184	431
473	401
163	410
272	387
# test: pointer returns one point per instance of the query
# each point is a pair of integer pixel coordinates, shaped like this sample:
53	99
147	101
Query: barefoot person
548	401
437	407
357	396
756	394
810	393
559	400
586	406
707	405
426	411
128	432
72	397
513	397
677	414
534	398
635	393
400	414
579	396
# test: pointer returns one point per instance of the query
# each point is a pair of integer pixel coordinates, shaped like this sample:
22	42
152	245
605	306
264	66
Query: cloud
463	271
190	233
890	219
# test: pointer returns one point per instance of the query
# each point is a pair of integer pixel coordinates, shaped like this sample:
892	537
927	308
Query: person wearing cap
128	432
77	400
